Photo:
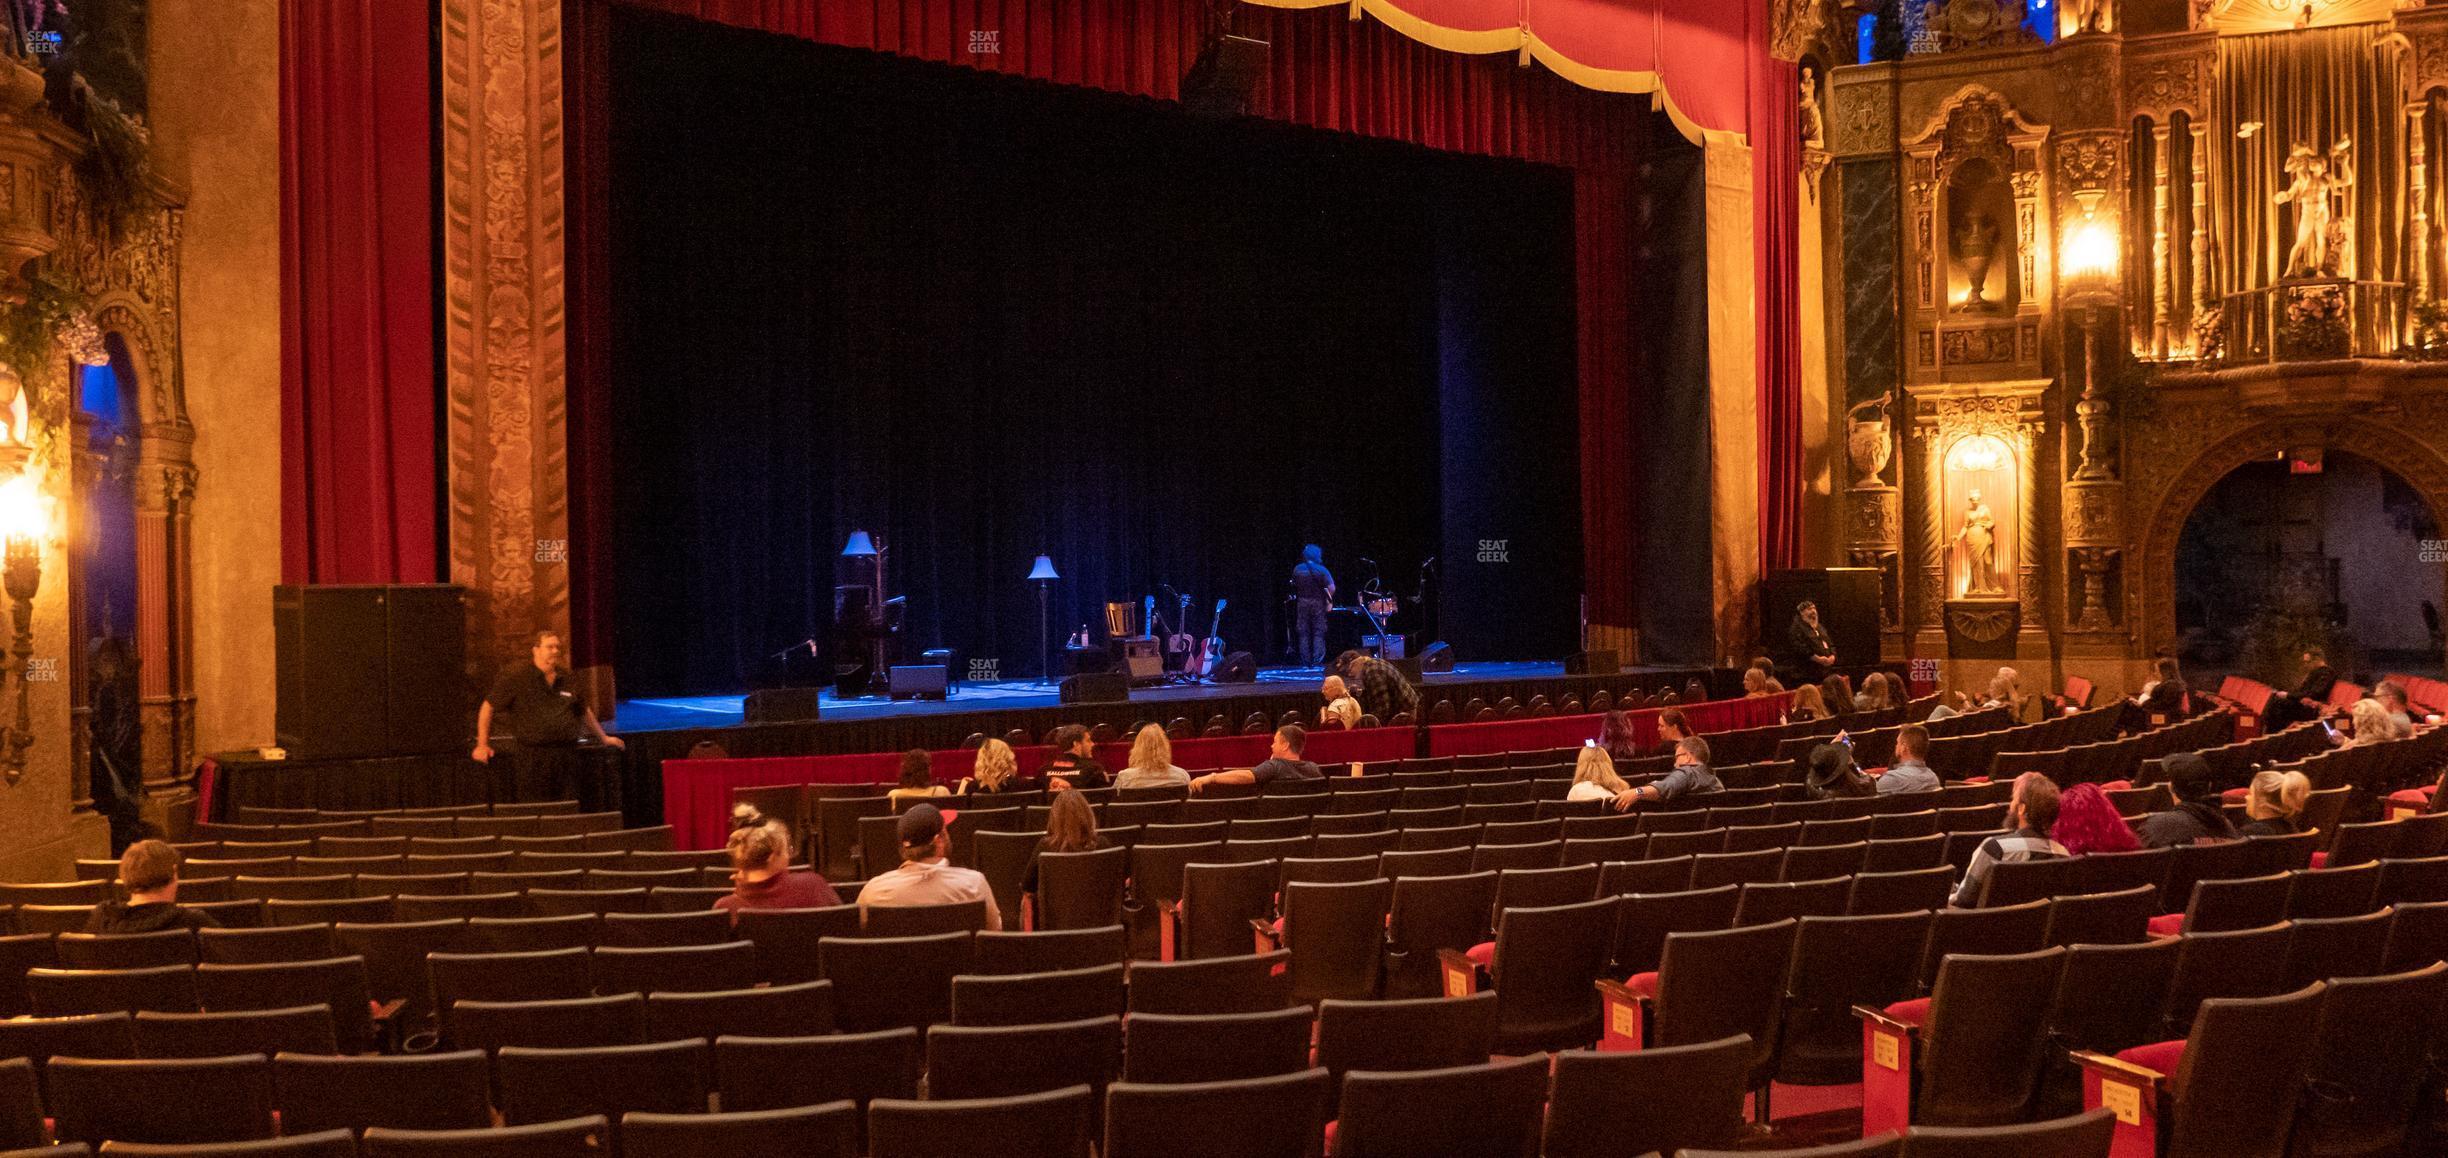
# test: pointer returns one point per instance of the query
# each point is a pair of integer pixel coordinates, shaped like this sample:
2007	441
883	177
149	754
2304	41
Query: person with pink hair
2087	822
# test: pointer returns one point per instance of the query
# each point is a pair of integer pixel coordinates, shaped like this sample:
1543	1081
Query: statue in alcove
1978	537
1976	239
1814	123
2320	233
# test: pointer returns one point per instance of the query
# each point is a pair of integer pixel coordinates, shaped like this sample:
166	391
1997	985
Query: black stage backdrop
983	318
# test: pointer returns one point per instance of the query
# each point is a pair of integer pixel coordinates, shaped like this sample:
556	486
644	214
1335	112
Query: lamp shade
1044	570
860	546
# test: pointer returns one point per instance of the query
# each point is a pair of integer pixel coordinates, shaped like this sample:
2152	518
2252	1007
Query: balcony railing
2311	319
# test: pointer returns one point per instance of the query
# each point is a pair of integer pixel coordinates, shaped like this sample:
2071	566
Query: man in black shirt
148	870
1313	589
1283	762
2309	699
1072	765
549	720
1814	654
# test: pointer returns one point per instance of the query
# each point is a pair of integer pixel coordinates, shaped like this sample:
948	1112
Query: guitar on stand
1210	655
1180	645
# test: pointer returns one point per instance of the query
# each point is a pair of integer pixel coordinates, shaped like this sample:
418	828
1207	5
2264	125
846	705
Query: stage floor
725	711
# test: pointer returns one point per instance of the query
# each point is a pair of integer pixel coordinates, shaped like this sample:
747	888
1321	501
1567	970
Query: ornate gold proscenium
24	524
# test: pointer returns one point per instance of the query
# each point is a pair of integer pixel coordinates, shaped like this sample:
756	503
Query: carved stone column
2418	183
505	361
2027	564
2163	273
2201	235
164	492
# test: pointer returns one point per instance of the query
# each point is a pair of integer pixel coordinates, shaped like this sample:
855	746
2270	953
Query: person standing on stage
1313	588
548	719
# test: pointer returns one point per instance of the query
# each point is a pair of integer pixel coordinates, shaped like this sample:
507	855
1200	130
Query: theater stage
651	715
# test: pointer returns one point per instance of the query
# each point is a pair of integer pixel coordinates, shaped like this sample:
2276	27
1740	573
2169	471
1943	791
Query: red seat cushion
1483	954
2159	1056
1913	1012
2235	794
2168	925
2418	797
2116	786
2320	860
1643	984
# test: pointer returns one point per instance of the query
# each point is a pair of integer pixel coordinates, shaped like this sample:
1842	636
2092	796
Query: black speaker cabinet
1142	658
782	705
1599	662
1848	599
1410	667
371	670
1437	657
924	681
1104	687
1237	667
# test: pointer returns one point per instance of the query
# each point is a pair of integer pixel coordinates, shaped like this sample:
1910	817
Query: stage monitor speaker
1225	76
370	670
783	705
1239	667
1599	661
1409	666
1437	657
921	681
1142	658
1848	599
1104	687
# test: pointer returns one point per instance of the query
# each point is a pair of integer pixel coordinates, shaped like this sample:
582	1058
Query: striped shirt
2022	845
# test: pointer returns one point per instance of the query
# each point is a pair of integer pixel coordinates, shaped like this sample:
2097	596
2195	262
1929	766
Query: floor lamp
1042	574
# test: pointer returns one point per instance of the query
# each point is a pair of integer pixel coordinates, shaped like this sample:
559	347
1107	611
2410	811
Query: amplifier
921	681
1110	687
776	705
1142	658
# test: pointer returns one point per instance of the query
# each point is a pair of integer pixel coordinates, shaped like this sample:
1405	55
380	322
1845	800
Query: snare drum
1383	606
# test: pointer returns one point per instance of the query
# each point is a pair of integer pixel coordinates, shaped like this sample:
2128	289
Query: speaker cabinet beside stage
371	670
1848	599
782	705
1104	687
1409	667
923	681
1436	657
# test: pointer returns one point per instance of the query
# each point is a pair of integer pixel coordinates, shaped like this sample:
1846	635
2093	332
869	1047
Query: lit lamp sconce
2087	259
25	522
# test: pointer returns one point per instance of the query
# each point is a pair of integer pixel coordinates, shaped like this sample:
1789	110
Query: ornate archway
2420	465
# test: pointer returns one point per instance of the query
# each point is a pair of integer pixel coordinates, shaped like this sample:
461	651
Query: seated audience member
1070	827
2274	803
1691	776
1283	762
1074	764
1807	705
2006	690
1767	670
1616	738
2165	695
761	876
149	873
1378	685
997	770
925	876
1836	694
2373	725
917	779
1594	777
1672	727
2031	815
2309	699
1151	762
1874	695
2392	695
1340	707
2198	815
1833	775
1911	771
746	815
1946	708
2088	822
1755	683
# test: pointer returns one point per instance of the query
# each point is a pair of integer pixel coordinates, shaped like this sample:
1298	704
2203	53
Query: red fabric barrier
1561	731
697	793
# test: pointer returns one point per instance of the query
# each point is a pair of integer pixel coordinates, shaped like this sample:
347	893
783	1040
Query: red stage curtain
358	428
1776	158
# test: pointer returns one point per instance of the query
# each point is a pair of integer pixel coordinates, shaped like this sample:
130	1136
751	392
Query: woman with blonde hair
2274	803
1594	777
1340	706
2372	724
1873	696
761	876
1755	683
1151	762
996	770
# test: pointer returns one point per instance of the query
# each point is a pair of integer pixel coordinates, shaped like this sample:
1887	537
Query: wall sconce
2088	261
25	521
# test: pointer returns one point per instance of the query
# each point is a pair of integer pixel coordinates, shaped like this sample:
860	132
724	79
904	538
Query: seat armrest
1461	974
